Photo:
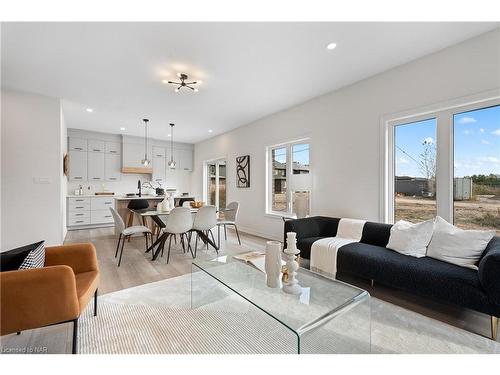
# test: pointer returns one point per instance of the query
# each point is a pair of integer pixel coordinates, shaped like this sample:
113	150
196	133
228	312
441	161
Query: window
415	171
446	163
289	179
476	162
216	183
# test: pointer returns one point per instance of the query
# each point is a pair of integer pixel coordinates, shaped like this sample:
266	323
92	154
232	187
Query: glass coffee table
329	316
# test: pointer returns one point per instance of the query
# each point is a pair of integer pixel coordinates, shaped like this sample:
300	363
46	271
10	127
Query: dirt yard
482	213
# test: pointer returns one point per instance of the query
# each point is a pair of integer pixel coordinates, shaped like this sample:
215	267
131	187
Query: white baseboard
252	232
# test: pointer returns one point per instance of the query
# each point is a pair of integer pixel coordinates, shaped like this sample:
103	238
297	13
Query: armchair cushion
13	259
81	257
37	297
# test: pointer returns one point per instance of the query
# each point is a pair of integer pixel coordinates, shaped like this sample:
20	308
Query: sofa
369	259
54	294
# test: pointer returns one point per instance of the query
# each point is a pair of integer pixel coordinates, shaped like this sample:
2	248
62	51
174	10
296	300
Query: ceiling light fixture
210	130
172	163
331	46
90	110
145	161
183	77
122	129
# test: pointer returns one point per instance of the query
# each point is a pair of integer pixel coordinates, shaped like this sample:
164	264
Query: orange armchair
54	294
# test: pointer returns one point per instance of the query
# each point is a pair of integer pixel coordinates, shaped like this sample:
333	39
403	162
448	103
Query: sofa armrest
81	257
489	271
37	297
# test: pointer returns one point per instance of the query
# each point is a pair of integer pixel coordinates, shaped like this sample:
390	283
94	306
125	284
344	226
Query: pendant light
145	161
172	163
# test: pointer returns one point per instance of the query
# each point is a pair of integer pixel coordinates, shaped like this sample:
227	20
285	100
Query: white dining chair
230	216
179	222
128	232
204	220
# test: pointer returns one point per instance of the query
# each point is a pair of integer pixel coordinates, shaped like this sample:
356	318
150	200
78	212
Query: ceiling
249	70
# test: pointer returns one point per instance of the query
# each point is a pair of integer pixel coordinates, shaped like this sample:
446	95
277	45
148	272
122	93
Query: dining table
155	215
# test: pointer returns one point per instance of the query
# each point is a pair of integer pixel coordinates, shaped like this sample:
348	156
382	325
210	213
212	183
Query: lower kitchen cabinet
89	211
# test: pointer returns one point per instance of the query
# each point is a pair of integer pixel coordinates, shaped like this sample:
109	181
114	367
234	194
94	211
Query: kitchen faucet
139	187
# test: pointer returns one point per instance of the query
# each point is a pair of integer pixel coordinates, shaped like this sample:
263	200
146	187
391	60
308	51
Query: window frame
289	172
443	113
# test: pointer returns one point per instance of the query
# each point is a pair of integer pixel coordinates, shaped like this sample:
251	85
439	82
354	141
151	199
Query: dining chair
127	232
230	216
204	220
135	207
180	222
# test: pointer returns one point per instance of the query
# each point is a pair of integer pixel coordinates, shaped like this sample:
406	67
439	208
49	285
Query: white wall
344	128
31	149
64	179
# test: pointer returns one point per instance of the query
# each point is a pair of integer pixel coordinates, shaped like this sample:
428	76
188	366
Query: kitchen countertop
121	197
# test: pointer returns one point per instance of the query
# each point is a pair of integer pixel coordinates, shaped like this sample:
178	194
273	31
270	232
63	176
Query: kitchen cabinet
184	159
159	166
112	167
158	152
78	166
133	153
113	147
77	144
95	145
91	211
95	166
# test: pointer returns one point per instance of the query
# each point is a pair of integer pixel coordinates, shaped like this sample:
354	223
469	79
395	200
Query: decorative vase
273	264
171	201
292	285
164	204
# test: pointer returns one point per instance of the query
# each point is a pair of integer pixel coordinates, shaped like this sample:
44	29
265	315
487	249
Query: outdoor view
477	169
415	171
476	182
300	163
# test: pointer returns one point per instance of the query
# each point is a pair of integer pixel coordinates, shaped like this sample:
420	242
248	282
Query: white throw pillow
411	239
454	245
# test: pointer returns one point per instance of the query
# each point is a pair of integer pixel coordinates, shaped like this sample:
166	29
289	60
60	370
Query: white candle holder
292	285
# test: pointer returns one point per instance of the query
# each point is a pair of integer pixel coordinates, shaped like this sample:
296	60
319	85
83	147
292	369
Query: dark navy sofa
371	260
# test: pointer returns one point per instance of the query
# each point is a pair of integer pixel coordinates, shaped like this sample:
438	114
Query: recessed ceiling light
169	135
90	110
122	128
210	130
331	46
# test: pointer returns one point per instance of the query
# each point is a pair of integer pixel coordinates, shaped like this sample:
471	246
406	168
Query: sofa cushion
35	258
425	276
305	244
13	259
458	246
376	233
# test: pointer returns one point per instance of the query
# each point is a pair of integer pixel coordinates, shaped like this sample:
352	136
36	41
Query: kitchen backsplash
180	180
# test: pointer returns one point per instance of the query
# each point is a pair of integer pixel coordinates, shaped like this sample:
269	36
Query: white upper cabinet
78	165
95	145
184	159
158	152
77	144
112	167
133	153
113	148
95	166
159	166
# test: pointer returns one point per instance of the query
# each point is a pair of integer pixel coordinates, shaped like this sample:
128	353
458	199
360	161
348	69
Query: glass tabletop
321	299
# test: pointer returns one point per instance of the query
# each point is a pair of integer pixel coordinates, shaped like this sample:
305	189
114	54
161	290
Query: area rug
158	318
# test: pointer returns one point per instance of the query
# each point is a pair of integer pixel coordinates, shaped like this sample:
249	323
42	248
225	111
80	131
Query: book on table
256	259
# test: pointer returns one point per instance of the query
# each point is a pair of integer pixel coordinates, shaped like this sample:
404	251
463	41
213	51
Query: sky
300	154
476	143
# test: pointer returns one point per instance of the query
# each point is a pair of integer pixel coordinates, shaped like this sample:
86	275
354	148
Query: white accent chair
204	220
128	232
230	216
179	222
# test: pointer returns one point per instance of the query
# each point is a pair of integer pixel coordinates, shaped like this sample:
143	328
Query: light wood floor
137	269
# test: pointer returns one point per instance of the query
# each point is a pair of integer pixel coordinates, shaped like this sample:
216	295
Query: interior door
216	183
